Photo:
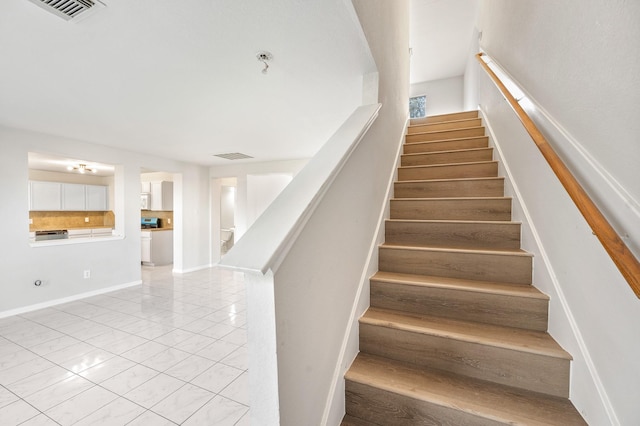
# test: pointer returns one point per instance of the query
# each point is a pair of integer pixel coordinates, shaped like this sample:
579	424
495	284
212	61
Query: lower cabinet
156	247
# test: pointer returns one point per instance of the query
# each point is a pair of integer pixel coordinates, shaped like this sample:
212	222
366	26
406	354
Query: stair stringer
562	325
334	410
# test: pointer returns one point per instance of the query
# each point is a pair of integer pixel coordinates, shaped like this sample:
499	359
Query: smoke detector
70	10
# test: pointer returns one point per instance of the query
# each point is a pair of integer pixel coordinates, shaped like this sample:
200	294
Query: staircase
456	333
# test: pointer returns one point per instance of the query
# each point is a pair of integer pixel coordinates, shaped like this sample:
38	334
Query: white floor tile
238	358
7	397
117	413
150	418
196	343
17	412
191	326
81	405
181	404
39	381
237	337
129	379
123	345
217	350
165	359
174	337
39	420
190	368
87	360
220	411
219	330
70	352
22	371
238	390
145	351
217	377
103	371
155	390
58	392
16	358
54	345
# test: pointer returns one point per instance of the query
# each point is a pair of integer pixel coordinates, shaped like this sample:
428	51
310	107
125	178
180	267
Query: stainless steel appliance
56	234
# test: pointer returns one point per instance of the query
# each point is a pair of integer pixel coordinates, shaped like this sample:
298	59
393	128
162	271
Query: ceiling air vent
233	156
69	9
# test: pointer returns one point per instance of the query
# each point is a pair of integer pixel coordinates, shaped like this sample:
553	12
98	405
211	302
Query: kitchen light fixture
82	168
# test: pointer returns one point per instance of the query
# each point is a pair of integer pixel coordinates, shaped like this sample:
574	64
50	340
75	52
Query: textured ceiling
441	36
181	79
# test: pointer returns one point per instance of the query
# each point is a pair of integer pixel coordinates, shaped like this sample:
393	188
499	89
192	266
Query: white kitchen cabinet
145	240
73	197
96	198
57	196
45	196
162	196
156	247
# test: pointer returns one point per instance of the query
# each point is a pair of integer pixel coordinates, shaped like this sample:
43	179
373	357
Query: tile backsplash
164	215
48	220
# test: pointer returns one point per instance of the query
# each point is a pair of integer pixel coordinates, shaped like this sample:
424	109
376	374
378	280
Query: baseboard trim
68	299
194	269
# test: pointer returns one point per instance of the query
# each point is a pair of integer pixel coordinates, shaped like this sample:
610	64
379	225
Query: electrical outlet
30	221
169	221
86	220
87	274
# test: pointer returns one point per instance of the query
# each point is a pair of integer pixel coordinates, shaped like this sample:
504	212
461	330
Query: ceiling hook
264	57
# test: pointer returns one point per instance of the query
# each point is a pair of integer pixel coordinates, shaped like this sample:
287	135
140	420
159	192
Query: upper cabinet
73	197
45	195
161	196
97	197
55	196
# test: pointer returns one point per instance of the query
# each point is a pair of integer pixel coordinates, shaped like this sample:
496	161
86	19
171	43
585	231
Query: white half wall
443	96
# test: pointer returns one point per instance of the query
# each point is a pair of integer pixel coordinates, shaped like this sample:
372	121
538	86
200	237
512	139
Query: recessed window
417	106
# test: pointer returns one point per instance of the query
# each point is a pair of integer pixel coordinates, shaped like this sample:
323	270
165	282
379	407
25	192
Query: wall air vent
233	156
70	10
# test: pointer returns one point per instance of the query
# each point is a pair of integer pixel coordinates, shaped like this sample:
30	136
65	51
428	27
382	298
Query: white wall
575	70
443	96
262	189
112	263
242	218
227	206
319	283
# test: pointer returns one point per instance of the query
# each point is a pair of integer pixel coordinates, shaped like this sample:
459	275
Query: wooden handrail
624	259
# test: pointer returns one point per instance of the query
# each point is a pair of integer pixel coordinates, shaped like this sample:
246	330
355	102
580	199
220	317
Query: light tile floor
170	351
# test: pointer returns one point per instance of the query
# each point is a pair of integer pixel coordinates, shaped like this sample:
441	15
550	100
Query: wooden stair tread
506	222
445	131
504	252
449	164
354	421
487	400
464	179
447	140
534	342
445	117
460	284
452	198
449	151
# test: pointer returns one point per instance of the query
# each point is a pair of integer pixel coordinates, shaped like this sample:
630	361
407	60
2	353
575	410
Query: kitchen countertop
156	229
